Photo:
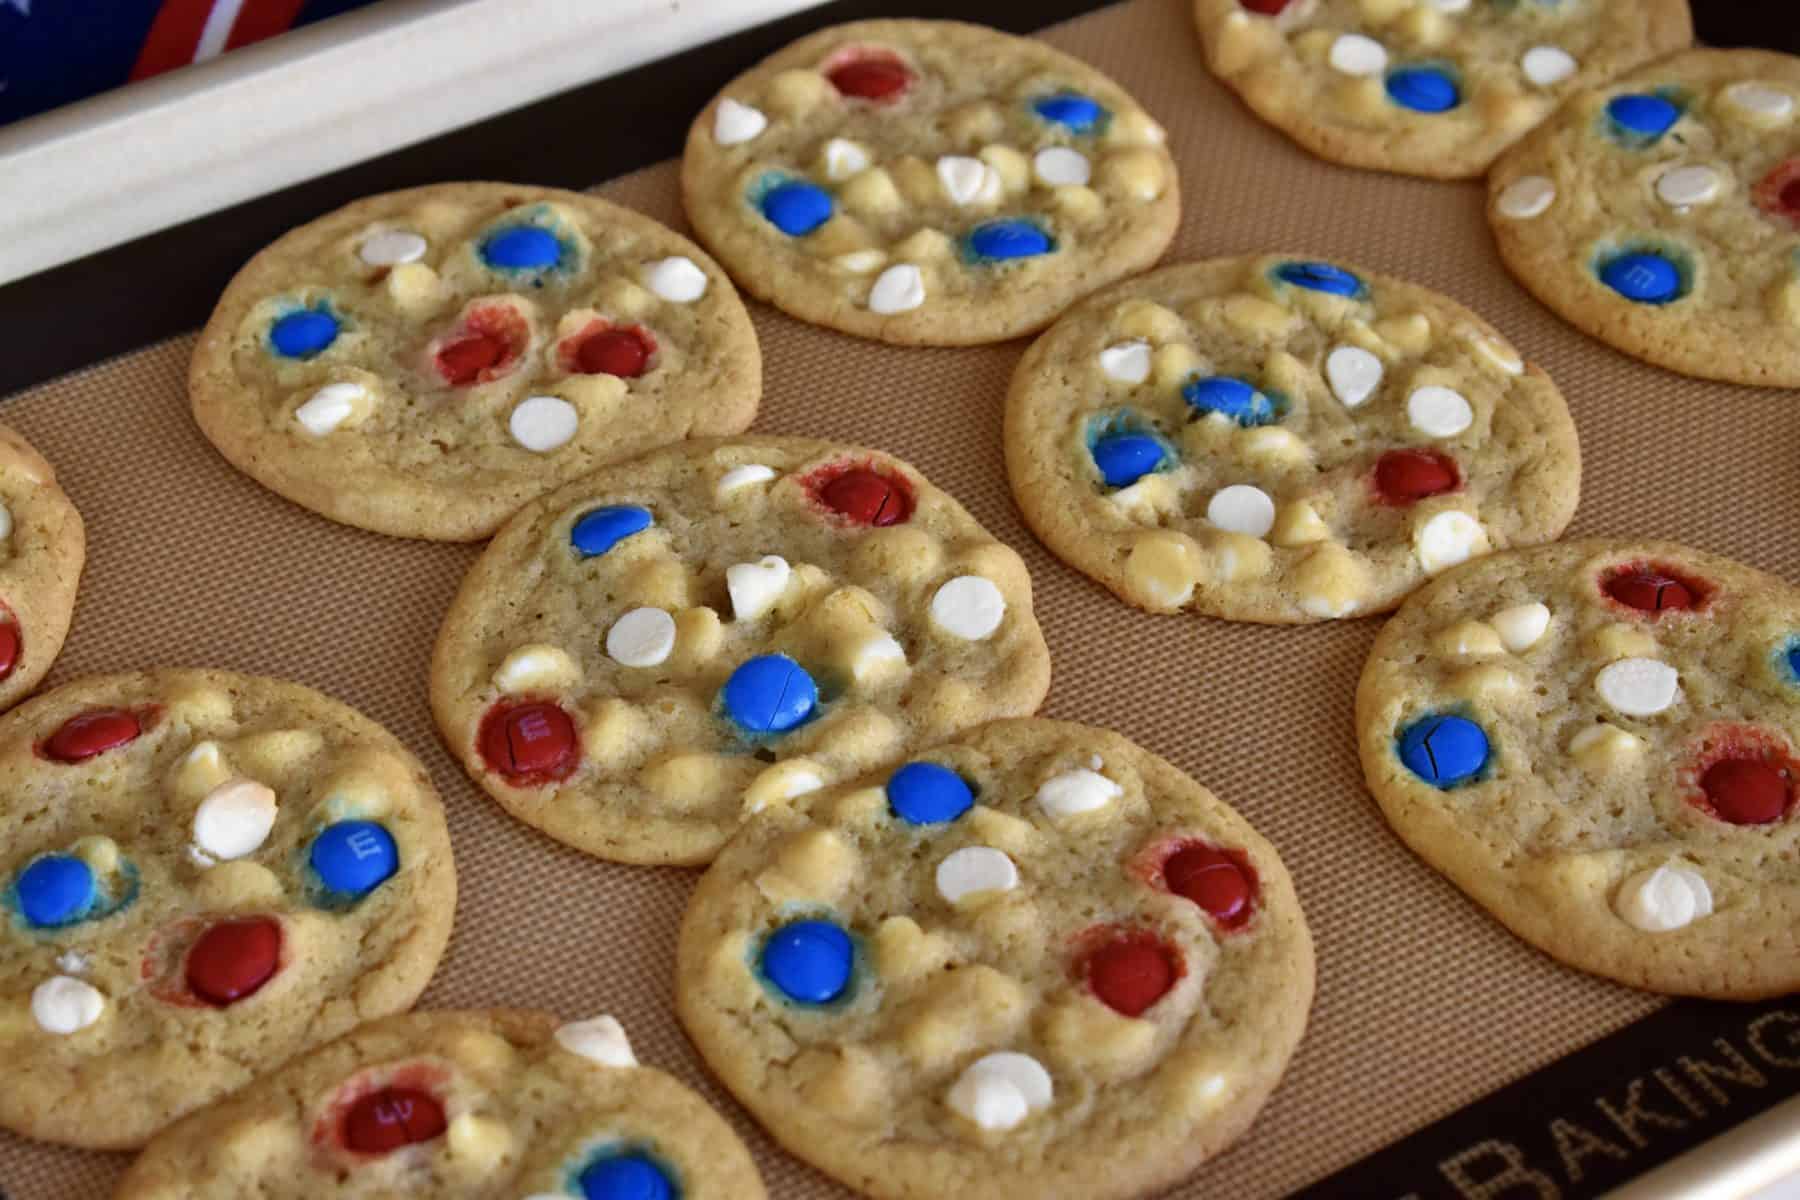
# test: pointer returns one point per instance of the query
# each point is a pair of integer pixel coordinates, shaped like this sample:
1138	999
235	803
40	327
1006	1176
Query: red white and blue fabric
53	52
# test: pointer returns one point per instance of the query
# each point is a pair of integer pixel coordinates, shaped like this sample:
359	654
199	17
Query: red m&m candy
233	959
870	75
863	495
1648	587
603	349
1407	476
1267	8
491	340
1779	192
1215	880
533	741
93	732
392	1117
1746	791
1131	972
12	640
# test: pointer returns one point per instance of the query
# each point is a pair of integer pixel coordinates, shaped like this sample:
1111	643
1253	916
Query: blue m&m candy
809	961
1444	750
353	858
770	694
1229	397
521	248
1644	276
1423	89
1644	116
1001	240
1791	656
1125	458
1071	110
304	333
796	207
632	1175
1320	277
57	889
599	530
923	793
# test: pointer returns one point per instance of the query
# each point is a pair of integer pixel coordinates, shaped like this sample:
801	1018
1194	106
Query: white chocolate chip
1354	54
234	819
1521	626
1526	197
975	869
1638	687
874	654
1680	187
860	262
643	637
1661	899
1451	6
968	180
535	666
1059	166
998	1091
755	587
543	423
330	407
843	159
391	247
743	476
598	1039
1760	100
1547	66
1242	508
6	521
1448	538
1127	362
1439	411
968	607
1075	792
1353	373
1498	354
734	122
678	279
63	1005
898	289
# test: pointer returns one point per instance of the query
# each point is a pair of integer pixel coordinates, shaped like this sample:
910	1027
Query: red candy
530	742
1408	476
1779	192
863	495
385	1120
1213	879
12	640
1132	972
1746	791
1267	8
93	732
234	959
870	75
490	341
1651	587
623	352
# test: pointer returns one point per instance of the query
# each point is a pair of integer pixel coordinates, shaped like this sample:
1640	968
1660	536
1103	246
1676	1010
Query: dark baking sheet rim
1586	1123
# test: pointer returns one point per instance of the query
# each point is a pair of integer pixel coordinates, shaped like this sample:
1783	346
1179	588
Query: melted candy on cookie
770	694
1640	119
304	333
530	742
1424	89
1778	194
862	495
868	73
809	962
1445	750
1220	881
1000	241
924	793
1408	476
488	346
1654	588
56	890
600	529
1129	969
91	733
353	858
233	959
1742	775
1072	110
521	248
628	1175
605	349
12	641
385	1120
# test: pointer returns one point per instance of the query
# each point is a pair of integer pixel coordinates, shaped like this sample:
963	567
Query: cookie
1661	214
645	657
1282	440
1036	961
455	1104
204	874
42	548
927	182
1425	87
422	363
1596	741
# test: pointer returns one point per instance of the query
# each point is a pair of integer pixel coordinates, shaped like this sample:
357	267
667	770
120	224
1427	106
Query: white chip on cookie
64	1005
643	637
235	819
1638	687
1663	899
968	607
1127	362
999	1091
677	279
330	407
1521	626
1078	791
743	476
900	288
598	1039
756	587
1354	374
734	122
974	870
543	423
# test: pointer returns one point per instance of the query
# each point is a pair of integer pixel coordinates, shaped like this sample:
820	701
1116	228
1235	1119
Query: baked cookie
1661	214
422	363
645	657
501	1103
1037	961
42	548
1425	87
1282	440
204	874
927	182
1596	741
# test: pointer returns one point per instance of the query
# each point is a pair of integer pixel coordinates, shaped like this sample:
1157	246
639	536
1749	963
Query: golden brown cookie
43	546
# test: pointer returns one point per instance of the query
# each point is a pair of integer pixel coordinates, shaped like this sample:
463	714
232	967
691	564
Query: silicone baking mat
1424	1004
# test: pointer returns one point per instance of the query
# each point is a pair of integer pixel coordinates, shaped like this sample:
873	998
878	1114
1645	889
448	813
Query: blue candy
1015	238
1791	656
1423	89
303	333
354	858
1320	277
1444	750
629	1176
521	248
1649	117
809	961
1231	398
57	889
599	530
770	694
1071	110
923	793
1125	458
796	207
1643	276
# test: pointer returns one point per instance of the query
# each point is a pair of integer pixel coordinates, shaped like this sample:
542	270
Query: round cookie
422	363
927	182
1661	214
1596	741
645	657
1282	440
1037	961
455	1104
42	549
202	874
1425	87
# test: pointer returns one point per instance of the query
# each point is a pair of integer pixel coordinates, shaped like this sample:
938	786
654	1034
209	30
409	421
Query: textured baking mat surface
1423	1004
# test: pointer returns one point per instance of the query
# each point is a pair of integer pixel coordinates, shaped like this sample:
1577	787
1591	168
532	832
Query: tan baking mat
1423	1003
